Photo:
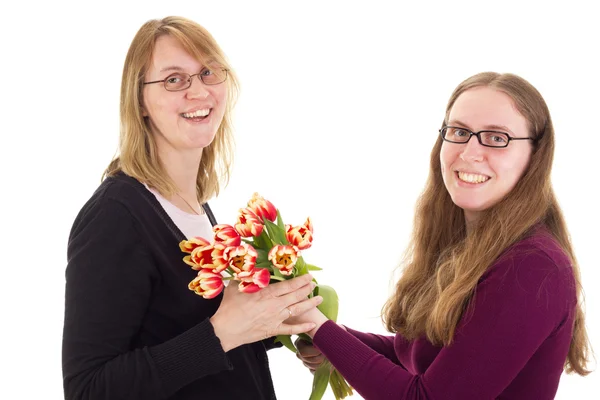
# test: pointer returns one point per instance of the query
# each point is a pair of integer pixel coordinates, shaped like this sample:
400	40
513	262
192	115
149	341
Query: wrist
220	332
318	322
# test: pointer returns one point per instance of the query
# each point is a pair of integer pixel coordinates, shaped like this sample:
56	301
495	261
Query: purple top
513	345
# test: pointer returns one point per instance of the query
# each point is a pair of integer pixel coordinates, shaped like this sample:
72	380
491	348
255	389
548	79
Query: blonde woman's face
186	119
478	177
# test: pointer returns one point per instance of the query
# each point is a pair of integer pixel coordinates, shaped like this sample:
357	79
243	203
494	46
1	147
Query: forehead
483	106
169	54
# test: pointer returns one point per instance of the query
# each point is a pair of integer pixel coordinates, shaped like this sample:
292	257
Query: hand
310	356
313	315
249	317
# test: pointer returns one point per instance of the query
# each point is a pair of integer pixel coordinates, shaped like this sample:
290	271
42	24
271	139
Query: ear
144	112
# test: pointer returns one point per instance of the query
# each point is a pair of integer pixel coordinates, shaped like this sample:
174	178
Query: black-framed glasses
454	134
181	81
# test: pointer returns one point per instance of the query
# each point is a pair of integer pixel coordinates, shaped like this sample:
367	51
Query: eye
174	79
501	139
458	132
206	72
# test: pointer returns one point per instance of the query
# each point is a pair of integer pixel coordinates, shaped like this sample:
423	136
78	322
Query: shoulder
113	203
536	266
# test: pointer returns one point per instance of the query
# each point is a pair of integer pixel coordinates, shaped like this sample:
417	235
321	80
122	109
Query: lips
471	177
197	114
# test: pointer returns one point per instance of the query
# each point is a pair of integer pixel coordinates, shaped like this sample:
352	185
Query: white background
340	105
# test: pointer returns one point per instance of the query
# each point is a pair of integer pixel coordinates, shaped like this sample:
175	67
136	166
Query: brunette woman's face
478	177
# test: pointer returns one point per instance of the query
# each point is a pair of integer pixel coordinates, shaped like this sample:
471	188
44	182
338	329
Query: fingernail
313	285
319	299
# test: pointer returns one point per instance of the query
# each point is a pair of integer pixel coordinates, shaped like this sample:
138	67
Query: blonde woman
132	329
488	305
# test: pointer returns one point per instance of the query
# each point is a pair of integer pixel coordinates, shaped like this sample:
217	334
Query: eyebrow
486	127
171	68
179	69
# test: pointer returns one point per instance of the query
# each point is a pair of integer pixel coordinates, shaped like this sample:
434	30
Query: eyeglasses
454	134
181	81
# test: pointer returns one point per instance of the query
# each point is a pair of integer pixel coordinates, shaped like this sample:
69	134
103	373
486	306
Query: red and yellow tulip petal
227	235
187	246
284	258
248	223
241	258
207	284
263	208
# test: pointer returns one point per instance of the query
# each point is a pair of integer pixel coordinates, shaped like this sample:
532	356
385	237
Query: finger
308	351
312	363
298	296
311	367
285	287
304	306
285	329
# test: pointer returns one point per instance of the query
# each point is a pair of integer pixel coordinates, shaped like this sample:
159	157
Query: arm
382	344
108	290
515	309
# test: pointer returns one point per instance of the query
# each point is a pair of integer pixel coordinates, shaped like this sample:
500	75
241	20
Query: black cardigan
132	328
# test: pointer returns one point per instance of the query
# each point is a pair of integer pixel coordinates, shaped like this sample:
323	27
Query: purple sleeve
383	345
518	304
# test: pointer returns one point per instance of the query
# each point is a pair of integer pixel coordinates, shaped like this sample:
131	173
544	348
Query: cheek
447	157
512	168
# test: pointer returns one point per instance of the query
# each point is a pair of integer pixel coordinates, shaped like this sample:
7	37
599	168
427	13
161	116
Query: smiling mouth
197	115
471	178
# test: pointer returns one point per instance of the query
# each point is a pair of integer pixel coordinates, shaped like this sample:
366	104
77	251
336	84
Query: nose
197	89
472	150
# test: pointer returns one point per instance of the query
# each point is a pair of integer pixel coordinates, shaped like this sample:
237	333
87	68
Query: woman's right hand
311	357
249	317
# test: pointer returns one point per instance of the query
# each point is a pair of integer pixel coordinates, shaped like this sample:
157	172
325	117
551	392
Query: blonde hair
138	155
443	263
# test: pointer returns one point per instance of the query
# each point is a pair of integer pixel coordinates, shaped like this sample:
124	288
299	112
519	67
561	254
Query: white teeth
198	113
472	178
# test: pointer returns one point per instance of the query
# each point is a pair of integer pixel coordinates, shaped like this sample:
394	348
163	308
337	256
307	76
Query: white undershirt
190	224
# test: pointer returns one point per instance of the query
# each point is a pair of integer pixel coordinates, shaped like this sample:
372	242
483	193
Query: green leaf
266	242
301	267
313	267
287	342
280	223
263	256
330	303
278	273
276	234
267	264
320	381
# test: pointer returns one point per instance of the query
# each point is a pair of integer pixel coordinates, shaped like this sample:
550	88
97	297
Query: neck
470	219
182	168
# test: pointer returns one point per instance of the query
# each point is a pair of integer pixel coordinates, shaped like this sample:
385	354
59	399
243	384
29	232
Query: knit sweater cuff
190	356
339	347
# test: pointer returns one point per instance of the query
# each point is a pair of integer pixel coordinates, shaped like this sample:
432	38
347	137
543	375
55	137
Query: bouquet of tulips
258	249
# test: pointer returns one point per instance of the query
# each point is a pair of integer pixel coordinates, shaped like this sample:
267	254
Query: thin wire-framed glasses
181	81
454	134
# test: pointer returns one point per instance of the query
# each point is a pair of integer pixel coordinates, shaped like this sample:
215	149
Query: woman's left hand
313	315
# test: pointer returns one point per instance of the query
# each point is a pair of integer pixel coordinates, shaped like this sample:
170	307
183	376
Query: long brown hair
443	263
138	155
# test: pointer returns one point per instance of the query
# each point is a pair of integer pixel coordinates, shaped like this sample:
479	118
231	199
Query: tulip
300	236
263	208
201	257
207	284
187	246
251	282
227	235
248	223
219	261
284	258
241	258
